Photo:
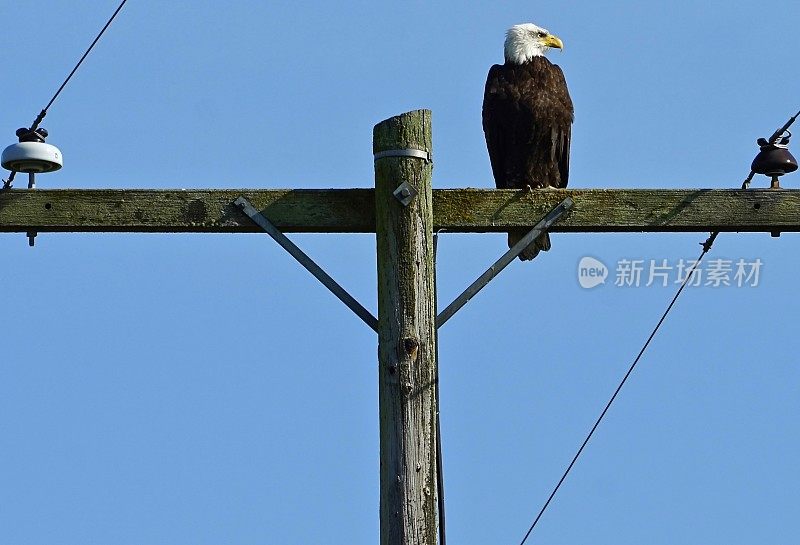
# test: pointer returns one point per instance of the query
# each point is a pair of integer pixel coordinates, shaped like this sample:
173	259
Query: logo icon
591	272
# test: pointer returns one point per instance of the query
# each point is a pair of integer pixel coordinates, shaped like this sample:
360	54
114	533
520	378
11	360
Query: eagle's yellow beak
552	41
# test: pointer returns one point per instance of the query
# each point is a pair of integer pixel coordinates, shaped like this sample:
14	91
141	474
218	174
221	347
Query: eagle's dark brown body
527	119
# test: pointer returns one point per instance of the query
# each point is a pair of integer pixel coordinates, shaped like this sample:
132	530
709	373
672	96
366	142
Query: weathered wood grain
353	210
407	371
191	211
620	210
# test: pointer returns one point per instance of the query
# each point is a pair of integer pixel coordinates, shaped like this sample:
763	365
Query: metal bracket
307	262
259	219
405	193
552	217
31	234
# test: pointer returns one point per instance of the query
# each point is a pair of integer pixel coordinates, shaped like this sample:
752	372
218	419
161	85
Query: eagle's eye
541	33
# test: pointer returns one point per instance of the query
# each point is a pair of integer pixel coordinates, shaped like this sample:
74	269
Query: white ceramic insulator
34	157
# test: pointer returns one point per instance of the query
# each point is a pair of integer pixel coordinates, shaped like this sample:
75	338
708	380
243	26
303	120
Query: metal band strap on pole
407	152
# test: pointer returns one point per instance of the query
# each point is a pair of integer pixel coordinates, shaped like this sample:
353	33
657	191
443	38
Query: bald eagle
527	120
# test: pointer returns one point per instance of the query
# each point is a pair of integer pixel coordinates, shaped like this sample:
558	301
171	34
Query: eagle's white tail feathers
540	244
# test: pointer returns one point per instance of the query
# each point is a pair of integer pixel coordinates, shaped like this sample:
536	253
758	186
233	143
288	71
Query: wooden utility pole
407	307
407	371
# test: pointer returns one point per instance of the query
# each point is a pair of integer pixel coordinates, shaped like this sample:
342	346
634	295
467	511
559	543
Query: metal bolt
405	193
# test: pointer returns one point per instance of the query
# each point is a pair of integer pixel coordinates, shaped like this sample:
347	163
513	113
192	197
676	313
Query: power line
43	113
706	247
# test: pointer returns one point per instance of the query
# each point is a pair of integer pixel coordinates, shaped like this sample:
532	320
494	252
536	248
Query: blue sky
204	389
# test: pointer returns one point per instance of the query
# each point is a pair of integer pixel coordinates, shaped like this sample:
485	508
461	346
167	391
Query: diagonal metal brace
307	262
552	217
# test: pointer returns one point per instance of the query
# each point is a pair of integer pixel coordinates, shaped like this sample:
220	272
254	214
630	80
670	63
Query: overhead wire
706	247
43	113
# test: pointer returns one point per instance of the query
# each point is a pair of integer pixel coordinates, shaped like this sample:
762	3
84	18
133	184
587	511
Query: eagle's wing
496	133
562	136
546	107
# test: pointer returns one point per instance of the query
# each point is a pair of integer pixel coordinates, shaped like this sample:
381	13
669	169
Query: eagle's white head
526	41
